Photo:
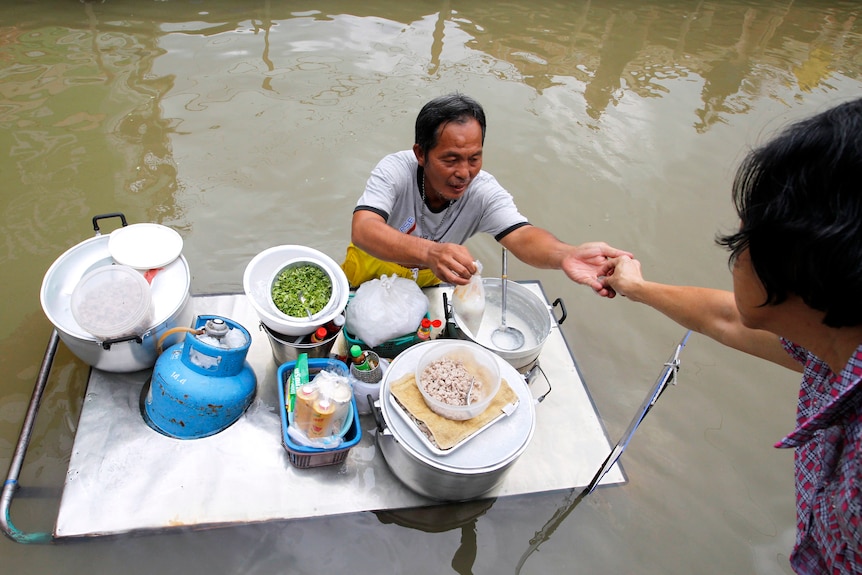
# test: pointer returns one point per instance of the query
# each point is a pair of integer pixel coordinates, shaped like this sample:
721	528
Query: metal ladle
302	301
504	337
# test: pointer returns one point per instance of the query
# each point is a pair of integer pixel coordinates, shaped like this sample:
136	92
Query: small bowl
302	315
113	302
479	363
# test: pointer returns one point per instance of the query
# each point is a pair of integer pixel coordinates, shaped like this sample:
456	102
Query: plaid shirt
828	442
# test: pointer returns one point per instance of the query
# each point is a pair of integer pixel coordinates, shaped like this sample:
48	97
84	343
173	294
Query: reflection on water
245	124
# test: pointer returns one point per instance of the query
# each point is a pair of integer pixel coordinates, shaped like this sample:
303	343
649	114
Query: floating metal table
125	477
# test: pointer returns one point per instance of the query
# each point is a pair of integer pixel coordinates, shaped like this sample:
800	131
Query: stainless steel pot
525	311
472	469
171	307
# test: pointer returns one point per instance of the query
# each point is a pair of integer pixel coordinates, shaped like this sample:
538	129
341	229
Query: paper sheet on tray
446	432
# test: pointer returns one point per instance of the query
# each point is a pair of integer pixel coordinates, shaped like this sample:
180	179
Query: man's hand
587	263
451	263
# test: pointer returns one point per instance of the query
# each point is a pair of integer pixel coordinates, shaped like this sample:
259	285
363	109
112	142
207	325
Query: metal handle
105	216
106	344
504	278
531	374
563	313
375	411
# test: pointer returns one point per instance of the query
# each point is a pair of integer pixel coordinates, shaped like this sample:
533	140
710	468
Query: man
796	301
420	205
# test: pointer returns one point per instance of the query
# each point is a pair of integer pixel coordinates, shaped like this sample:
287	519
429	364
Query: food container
302	456
113	302
304	302
262	270
171	303
288	347
525	311
477	467
389	348
481	367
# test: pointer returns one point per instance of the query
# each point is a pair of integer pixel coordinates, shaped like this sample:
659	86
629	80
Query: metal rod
666	377
11	483
575	496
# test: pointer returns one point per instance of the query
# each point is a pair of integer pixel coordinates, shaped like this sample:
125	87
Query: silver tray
411	423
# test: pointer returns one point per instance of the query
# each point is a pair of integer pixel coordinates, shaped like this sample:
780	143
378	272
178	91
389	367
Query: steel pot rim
396	431
529	312
170	290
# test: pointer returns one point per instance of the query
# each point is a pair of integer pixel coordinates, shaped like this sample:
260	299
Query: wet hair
440	111
799	200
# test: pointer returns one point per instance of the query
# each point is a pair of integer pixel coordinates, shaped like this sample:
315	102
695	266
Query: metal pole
11	483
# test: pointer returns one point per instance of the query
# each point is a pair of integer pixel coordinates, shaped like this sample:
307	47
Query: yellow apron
359	267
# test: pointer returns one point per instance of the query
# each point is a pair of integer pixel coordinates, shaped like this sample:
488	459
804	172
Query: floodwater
246	124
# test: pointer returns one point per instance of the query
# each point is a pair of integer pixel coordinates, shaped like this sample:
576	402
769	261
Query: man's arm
583	264
449	262
708	311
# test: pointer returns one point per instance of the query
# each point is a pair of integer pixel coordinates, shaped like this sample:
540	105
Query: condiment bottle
319	335
321	416
335	324
305	398
359	358
424	331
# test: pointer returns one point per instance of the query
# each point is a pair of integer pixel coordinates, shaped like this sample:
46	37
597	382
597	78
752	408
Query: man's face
453	163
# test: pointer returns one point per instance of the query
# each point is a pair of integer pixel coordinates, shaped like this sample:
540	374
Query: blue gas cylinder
202	385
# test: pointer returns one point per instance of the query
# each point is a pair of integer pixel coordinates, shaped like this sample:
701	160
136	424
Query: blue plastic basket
303	456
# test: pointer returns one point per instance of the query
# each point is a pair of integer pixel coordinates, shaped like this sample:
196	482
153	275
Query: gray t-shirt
392	191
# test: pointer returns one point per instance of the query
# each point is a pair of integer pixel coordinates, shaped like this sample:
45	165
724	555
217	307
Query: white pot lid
498	445
145	246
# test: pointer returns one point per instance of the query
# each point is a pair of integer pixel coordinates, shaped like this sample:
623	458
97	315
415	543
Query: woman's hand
588	264
624	276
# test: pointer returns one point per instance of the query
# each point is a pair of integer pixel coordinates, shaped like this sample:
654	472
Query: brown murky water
247	124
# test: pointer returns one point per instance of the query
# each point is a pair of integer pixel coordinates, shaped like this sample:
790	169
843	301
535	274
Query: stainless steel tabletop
124	477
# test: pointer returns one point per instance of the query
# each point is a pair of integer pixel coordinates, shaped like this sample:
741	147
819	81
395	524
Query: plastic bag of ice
468	301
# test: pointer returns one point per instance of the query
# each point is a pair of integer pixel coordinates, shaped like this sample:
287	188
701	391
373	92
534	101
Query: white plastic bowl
113	302
265	266
479	363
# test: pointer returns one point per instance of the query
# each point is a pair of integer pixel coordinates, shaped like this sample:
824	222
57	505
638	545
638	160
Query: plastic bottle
424	331
319	335
335	324
359	358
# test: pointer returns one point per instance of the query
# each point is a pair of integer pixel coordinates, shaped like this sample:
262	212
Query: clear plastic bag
468	301
320	416
385	308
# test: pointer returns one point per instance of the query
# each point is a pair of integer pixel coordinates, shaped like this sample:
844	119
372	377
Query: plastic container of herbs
273	270
301	289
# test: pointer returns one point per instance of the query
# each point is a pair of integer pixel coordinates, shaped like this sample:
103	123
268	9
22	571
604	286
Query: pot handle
375	411
106	216
563	313
449	316
106	344
531	375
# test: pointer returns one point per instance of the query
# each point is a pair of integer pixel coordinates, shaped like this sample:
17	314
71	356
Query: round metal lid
169	287
145	246
494	447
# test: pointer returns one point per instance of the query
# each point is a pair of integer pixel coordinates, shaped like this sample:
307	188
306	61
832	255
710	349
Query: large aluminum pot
471	470
525	311
171	308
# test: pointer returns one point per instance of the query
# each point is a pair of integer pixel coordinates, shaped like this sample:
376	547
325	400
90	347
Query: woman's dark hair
799	200
440	111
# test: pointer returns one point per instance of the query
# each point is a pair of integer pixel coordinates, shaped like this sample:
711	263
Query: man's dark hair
799	200
440	111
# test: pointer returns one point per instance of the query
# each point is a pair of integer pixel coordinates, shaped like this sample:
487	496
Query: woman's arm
708	311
